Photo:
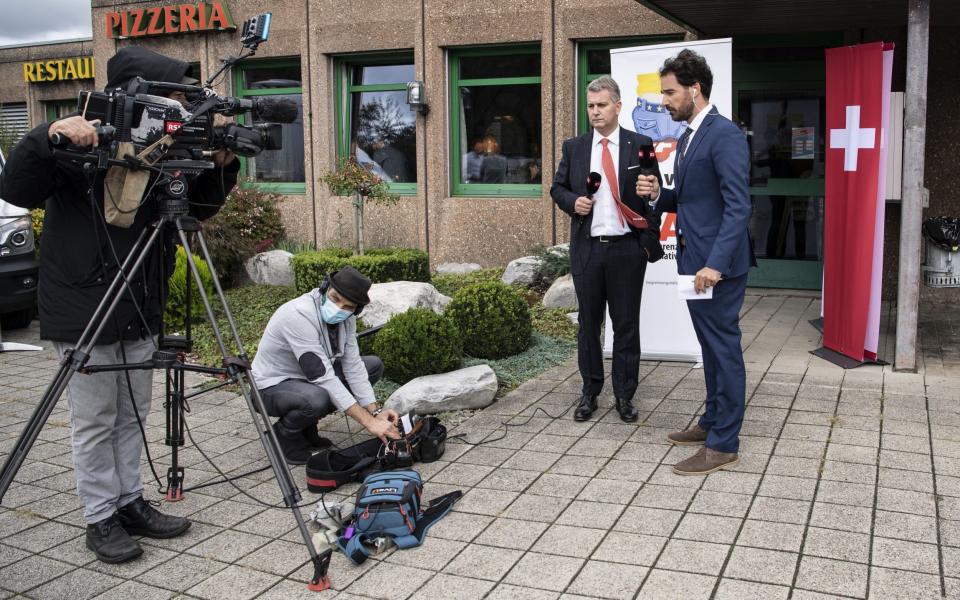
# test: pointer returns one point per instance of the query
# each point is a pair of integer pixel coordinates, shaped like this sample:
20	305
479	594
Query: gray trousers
106	437
301	404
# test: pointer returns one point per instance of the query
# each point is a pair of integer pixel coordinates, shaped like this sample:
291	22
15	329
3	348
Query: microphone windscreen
648	158
275	110
593	182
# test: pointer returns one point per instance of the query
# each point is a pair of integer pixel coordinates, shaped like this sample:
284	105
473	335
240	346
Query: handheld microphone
648	161
593	184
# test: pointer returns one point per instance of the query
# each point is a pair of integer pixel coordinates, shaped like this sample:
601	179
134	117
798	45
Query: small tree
352	179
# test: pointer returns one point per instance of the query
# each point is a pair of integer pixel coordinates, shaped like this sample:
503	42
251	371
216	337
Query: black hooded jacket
79	252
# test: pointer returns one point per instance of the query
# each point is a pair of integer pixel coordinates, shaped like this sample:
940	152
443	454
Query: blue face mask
331	313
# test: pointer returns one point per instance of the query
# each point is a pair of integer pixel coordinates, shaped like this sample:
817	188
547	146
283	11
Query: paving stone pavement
848	487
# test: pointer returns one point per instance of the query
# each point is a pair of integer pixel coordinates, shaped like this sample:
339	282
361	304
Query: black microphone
265	108
275	110
593	184
648	161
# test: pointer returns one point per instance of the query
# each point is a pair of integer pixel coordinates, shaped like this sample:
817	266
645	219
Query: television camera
162	128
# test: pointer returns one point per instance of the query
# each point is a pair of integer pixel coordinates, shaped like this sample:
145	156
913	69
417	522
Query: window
58	109
375	125
496	122
280	170
14	123
594	61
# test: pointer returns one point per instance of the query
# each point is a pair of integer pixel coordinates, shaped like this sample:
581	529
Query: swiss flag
858	89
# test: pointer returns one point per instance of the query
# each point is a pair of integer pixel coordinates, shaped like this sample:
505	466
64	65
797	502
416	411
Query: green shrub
553	322
248	223
449	283
36	215
175	314
252	306
379	264
493	319
554	262
418	342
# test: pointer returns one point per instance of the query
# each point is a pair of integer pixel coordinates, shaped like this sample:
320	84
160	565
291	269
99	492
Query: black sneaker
314	440
295	449
110	542
139	518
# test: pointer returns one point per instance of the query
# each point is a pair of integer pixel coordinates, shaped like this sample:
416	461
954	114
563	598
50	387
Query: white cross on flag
858	106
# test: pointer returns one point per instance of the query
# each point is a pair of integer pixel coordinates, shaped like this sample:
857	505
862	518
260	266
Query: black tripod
174	215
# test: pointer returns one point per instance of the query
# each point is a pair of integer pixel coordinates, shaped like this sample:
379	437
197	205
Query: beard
684	112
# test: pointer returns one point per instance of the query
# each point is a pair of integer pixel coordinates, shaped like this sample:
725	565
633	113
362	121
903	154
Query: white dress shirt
606	219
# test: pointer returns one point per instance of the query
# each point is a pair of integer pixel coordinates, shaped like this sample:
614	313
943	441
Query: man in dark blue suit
712	200
613	235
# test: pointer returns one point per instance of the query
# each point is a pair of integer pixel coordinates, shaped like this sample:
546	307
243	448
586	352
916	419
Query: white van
19	269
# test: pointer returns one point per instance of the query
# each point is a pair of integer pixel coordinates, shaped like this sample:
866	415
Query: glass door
785	131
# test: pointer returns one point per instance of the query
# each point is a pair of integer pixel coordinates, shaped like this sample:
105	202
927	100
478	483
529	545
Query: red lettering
113	22
125	24
154	27
172	126
136	31
170	19
668	228
202	17
218	15
188	17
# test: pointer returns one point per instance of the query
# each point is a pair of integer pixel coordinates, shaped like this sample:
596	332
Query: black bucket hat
352	285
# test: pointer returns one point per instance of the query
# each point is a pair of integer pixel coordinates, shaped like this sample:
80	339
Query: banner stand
842	360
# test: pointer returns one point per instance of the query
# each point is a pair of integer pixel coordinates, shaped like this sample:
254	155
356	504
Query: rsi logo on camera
172	126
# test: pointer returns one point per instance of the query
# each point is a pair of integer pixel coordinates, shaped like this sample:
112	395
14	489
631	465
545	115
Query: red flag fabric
854	120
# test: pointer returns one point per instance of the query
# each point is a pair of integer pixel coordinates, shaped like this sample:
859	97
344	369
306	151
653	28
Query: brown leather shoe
706	460
691	437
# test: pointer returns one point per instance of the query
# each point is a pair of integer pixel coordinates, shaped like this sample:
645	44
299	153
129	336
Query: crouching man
308	364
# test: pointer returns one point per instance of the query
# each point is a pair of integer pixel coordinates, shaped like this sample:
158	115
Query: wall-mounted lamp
416	98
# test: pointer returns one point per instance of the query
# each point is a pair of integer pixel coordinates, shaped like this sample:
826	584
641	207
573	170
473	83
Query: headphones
326	284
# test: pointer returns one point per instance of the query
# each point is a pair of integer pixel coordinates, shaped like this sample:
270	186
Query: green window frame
345	88
512	190
285	187
56	109
585	76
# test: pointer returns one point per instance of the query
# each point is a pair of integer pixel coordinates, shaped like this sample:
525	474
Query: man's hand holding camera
78	130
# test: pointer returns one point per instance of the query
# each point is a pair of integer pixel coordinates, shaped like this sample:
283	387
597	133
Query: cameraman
78	260
308	365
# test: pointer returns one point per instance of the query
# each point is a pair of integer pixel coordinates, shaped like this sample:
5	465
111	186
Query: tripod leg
240	369
77	357
174	438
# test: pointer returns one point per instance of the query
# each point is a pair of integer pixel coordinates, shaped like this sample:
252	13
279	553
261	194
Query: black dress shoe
139	518
314	440
628	413
585	409
110	542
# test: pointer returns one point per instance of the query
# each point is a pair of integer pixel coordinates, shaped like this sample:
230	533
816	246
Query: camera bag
330	468
388	505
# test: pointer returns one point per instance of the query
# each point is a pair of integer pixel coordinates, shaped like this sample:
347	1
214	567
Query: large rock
561	294
470	388
388	299
457	268
270	268
524	270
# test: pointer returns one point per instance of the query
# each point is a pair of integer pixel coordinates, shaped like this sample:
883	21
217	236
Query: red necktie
611	174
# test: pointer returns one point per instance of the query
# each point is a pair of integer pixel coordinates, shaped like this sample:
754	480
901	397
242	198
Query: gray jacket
296	345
